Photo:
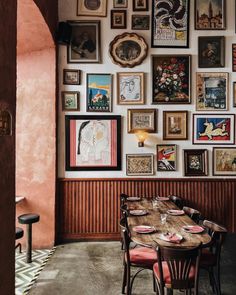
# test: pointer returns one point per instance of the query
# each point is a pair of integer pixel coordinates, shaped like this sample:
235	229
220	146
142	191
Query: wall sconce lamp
142	136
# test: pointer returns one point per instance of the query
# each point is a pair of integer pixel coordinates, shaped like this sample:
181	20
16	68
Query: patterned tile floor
27	273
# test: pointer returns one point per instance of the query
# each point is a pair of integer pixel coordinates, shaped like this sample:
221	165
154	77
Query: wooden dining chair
123	198
210	258
177	268
177	200
140	257
194	214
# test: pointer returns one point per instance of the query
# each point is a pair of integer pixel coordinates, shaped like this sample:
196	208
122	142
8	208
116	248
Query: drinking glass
163	218
154	203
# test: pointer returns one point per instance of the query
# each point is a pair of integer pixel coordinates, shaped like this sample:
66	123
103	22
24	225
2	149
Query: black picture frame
195	162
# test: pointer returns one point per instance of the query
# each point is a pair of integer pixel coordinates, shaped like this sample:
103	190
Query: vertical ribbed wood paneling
89	208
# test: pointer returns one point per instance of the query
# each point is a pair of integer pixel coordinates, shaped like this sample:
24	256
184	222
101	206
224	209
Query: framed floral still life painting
93	143
166	157
213	129
170	23
130	88
196	162
171	79
70	101
175	125
210	15
92	7
142	119
212	91
224	161
139	164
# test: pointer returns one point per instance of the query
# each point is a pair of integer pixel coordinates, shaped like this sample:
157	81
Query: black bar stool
19	235
28	219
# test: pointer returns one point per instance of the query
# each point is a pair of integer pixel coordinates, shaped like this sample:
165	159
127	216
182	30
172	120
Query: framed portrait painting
233	57
170	23
166	157
70	101
120	3
142	119
99	92
130	88
85	42
213	129
175	125
212	91
196	162
93	142
210	15
171	79
140	5
139	164
71	77
92	7
224	161
118	19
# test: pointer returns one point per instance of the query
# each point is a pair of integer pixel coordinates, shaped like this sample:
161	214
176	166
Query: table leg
29	243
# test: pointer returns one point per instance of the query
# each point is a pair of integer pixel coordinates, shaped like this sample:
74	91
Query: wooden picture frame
85	42
130	88
224	161
71	77
118	19
211	51
175	125
142	119
140	5
171	79
210	15
234	94
213	129
172	30
120	3
196	162
128	50
166	157
70	101
92	8
212	91
99	92
103	153
140	22
234	57
139	164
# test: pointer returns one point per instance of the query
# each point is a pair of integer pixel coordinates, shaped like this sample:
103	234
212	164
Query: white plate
193	229
144	229
175	212
138	212
166	238
133	199
163	198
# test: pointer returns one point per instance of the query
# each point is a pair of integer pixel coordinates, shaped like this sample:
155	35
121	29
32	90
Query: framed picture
170	24
92	7
71	77
118	19
140	22
234	94
93	143
224	161
211	52
212	91
139	164
128	50
171	79
142	119
213	129
175	125
140	5
130	88
166	157
85	42
233	57
210	15
120	3
70	101
196	162
99	92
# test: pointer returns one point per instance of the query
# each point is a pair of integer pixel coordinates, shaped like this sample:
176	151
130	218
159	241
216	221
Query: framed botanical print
212	91
118	19
210	15
142	119
99	92
140	22
166	157
71	77
139	164
171	79
211	52
93	142
140	5
224	161
120	3
70	101
85	42
196	162
92	7
170	24
233	57
213	129
175	125
130	88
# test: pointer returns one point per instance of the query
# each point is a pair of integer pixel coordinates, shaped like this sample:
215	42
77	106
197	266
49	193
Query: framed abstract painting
139	164
166	157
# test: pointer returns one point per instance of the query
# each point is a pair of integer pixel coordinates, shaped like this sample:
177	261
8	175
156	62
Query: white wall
67	11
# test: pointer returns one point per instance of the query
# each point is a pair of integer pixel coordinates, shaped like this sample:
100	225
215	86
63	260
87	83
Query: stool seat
19	233
28	218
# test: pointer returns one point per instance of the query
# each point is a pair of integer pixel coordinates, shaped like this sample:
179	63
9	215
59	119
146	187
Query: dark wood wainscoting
88	209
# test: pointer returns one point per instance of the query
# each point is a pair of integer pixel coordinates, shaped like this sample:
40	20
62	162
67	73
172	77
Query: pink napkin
142	228
173	238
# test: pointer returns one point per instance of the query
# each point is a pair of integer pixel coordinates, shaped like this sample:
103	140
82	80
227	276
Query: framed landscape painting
140	22
213	129
196	162
93	142
71	77
166	157
171	79
139	164
142	119
224	161
175	125
170	23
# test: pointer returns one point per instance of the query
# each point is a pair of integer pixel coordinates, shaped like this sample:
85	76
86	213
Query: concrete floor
95	268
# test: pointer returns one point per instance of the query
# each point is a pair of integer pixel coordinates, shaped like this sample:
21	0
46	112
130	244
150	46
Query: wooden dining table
173	225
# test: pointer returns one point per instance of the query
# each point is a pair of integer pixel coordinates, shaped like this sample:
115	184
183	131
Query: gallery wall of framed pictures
136	66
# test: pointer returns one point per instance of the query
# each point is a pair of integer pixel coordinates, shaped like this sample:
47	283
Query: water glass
154	203
163	218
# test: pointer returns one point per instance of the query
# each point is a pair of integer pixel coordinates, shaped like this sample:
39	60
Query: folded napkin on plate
173	238
142	228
